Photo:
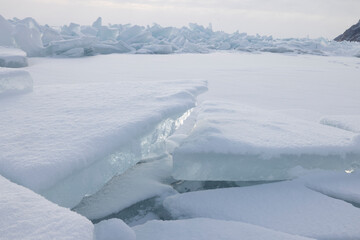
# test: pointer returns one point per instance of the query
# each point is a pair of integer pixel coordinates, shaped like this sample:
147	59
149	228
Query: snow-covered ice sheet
347	122
113	229
287	206
26	215
12	58
237	142
143	181
14	81
207	229
62	135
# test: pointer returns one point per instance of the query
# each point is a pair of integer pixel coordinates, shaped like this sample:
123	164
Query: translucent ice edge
70	191
237	167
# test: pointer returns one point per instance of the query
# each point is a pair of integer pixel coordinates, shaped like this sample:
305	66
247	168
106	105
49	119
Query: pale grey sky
280	18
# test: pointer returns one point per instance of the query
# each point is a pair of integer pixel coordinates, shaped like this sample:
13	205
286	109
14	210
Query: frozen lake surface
112	135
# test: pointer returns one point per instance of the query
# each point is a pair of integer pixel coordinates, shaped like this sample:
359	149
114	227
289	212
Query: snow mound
346	122
14	82
237	142
113	229
26	215
285	206
207	229
12	58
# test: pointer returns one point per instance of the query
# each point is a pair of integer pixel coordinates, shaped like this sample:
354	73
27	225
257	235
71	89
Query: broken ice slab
207	229
287	206
12	58
13	81
235	142
26	215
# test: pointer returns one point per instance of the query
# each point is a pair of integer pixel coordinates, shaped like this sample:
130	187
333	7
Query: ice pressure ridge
74	40
239	142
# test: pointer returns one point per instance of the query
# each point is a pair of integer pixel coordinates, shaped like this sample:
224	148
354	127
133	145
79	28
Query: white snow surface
342	186
287	206
237	142
26	215
77	117
14	81
12	58
207	229
113	229
346	122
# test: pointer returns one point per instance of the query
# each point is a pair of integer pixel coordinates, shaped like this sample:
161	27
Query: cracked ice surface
76	117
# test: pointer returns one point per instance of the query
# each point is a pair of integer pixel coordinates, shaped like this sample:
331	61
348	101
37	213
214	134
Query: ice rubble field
117	135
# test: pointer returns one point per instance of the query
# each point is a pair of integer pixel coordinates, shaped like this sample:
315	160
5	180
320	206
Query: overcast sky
279	18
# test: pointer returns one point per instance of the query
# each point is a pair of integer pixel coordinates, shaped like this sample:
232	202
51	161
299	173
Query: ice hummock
26	215
37	40
14	81
207	229
238	142
287	206
12	58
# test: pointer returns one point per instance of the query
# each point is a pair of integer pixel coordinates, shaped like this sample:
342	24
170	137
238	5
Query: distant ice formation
74	40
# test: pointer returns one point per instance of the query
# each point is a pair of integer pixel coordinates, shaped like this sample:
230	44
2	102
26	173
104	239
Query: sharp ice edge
70	191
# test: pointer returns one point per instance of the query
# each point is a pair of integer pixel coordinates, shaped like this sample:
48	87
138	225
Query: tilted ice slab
143	181
12	58
287	206
207	229
238	142
26	215
346	122
67	140
14	81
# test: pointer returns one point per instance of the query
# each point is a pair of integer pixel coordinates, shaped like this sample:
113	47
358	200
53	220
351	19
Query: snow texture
344	186
64	144
207	229
346	122
287	206
13	82
113	229
37	40
26	215
12	58
237	142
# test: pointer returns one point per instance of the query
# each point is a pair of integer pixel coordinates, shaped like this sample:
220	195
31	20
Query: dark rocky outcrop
352	34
